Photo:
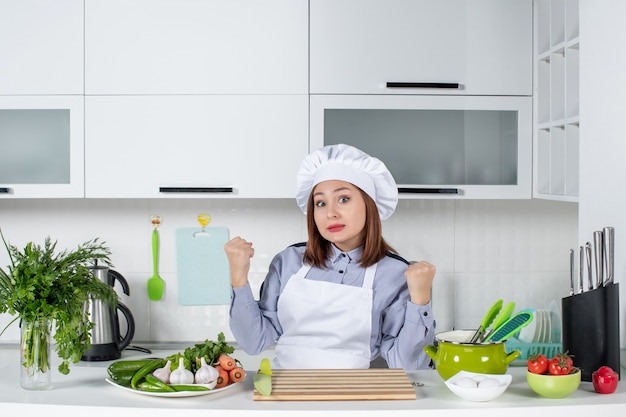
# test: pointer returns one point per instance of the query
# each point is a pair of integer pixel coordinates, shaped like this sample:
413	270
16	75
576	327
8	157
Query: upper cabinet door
41	47
359	46
194	146
196	47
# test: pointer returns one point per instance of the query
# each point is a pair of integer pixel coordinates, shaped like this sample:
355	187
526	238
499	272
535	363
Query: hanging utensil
609	248
487	319
598	247
511	326
504	315
156	283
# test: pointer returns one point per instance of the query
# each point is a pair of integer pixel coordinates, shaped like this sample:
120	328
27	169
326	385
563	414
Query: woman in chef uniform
344	297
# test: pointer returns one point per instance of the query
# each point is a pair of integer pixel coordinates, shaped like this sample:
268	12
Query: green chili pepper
190	388
145	370
153	380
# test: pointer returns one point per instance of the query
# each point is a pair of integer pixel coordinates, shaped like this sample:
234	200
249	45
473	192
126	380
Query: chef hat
347	163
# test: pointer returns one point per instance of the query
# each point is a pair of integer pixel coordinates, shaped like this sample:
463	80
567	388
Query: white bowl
488	386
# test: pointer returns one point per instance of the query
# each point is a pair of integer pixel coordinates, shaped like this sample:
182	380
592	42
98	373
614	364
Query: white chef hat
347	163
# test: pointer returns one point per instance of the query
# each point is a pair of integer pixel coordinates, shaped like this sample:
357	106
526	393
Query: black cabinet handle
195	189
416	190
6	190
401	84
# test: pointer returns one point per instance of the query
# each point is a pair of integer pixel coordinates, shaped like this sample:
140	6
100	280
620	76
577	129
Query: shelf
556	89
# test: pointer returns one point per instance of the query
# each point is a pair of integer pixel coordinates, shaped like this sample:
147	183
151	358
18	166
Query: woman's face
339	213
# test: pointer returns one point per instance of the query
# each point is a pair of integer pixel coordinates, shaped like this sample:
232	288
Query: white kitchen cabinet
556	99
41	146
41	45
436	146
196	47
359	46
194	146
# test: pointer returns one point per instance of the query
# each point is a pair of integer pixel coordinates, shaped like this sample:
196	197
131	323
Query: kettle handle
431	351
113	276
130	330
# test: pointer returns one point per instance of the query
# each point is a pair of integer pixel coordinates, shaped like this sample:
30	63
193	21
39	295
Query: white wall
602	129
484	250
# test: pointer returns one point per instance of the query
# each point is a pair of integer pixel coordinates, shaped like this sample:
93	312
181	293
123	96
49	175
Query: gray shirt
400	329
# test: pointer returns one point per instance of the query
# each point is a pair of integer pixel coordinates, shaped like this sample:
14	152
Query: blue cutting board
203	271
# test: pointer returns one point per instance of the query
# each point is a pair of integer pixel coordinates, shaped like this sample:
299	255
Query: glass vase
35	348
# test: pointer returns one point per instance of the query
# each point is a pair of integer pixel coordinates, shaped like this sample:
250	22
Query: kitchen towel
203	271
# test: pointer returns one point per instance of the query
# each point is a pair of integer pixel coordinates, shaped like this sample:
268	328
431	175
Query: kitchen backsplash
483	250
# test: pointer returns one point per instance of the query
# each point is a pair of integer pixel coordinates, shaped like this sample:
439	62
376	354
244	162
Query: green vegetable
127	366
263	383
146	386
145	370
190	388
209	350
153	380
41	285
123	379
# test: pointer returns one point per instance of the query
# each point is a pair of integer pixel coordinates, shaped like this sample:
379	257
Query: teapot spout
512	356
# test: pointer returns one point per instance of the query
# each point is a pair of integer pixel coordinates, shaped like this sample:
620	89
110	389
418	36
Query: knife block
590	329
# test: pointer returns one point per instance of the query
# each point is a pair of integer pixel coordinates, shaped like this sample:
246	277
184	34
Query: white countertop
84	392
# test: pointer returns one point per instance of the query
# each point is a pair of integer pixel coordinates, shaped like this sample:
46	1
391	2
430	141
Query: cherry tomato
605	380
561	364
538	364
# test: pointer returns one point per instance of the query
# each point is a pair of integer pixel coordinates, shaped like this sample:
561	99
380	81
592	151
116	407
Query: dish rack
528	349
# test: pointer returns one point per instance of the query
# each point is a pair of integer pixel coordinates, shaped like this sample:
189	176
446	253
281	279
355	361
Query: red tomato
561	364
538	364
605	380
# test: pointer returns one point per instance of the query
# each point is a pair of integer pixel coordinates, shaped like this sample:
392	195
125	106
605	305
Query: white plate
172	394
555	321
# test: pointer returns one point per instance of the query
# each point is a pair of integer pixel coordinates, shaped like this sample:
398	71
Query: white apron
325	325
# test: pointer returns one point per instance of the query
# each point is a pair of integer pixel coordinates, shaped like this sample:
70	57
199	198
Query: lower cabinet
194	146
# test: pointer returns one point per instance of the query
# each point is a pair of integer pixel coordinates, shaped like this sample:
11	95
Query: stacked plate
545	327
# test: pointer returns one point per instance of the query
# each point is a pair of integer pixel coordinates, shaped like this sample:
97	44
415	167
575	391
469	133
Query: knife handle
589	267
581	269
598	245
571	272
609	242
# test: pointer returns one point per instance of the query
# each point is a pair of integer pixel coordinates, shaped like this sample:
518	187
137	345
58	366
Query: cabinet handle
6	190
394	84
411	190
195	189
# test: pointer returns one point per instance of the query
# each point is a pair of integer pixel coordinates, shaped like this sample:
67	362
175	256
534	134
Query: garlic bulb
164	373
181	375
206	374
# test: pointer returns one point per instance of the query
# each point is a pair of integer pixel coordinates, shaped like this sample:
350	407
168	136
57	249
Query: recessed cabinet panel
470	147
196	47
358	46
41	47
194	146
41	146
557	109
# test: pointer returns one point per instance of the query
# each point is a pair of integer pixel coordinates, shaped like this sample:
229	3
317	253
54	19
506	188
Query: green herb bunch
40	284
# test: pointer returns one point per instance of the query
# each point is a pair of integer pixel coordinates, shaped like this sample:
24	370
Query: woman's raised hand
239	251
419	277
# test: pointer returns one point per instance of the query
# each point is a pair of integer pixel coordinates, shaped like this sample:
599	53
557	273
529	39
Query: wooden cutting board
338	385
202	267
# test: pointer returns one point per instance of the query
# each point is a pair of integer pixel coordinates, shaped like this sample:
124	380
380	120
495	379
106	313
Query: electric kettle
106	341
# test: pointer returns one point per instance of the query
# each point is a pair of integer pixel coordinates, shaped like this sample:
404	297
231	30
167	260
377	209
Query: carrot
223	378
226	362
237	374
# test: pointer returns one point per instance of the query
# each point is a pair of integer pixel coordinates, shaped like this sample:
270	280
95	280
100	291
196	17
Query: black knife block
590	329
